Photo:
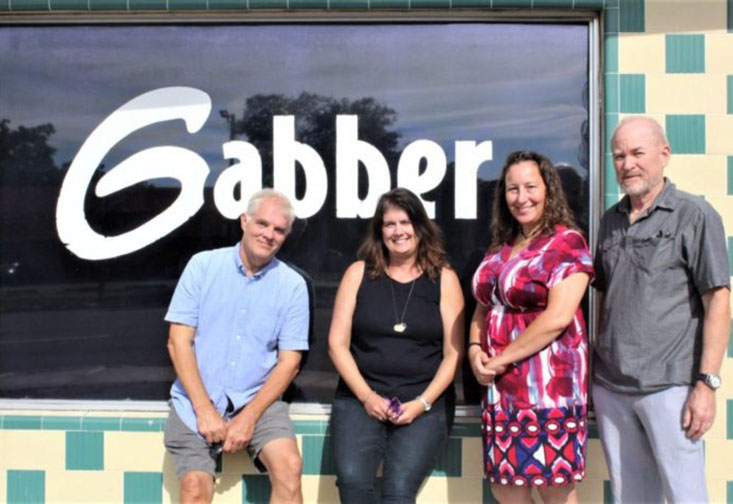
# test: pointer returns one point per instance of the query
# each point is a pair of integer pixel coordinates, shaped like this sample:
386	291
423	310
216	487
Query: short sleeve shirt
241	322
652	274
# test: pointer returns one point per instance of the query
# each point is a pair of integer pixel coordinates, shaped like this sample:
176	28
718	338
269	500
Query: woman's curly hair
504	227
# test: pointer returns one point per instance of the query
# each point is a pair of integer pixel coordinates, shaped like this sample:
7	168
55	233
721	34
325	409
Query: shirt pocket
610	252
654	253
265	327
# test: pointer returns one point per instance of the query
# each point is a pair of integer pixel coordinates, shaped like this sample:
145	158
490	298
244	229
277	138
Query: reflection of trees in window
25	156
321	243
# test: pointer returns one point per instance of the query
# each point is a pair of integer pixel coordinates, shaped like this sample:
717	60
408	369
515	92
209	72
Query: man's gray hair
267	194
656	127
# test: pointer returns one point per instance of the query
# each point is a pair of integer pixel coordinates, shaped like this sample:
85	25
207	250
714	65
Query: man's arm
241	427
180	348
699	410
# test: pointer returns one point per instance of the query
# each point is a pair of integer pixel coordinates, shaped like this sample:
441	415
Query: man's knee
197	487
284	465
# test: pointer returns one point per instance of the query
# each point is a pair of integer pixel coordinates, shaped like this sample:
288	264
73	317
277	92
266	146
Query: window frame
596	130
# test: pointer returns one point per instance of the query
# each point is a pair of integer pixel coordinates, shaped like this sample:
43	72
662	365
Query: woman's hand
376	406
484	368
410	411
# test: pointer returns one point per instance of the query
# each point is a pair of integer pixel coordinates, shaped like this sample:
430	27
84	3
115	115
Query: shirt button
242	311
233	363
238	337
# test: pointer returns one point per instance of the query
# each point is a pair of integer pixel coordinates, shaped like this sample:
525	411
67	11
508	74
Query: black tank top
394	363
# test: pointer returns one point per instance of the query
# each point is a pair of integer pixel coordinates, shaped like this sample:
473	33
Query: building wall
672	59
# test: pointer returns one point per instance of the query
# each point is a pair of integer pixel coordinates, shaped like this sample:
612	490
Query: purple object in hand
395	406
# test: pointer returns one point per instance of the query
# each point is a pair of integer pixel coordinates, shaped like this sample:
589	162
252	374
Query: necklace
530	235
400	325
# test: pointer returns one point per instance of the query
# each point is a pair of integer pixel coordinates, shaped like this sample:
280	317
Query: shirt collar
243	269
664	200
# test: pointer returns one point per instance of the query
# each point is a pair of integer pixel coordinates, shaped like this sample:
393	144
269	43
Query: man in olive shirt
662	267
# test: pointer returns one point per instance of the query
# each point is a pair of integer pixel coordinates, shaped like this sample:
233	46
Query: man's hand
698	413
210	424
240	430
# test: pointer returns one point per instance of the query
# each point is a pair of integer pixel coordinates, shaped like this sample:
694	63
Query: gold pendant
400	327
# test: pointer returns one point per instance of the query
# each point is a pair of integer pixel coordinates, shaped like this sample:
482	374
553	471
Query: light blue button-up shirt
241	322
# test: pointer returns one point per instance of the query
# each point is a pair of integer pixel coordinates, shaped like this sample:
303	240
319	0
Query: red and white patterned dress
534	414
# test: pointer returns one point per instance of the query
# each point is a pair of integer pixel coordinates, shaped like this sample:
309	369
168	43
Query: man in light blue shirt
238	324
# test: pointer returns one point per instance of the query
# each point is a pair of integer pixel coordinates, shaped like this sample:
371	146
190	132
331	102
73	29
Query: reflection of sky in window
518	85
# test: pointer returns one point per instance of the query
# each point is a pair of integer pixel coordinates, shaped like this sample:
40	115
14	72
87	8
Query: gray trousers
648	455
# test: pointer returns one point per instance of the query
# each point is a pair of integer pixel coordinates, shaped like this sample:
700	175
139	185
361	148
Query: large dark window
103	128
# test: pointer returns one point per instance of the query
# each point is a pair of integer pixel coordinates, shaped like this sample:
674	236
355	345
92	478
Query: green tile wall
25	487
4	5
466	430
611	81
487	497
23	422
607	493
430	4
101	423
318	455
730	341
514	4
471	3
255	489
631	16
588	4
611	52
143	488
539	4
142	424
101	5
632	93
729	492
730	175
729	418
69	4
268	4
227	4
349	4
187	4
147	4
449	464
611	20
729	87
686	133
685	53
28	5
61	423
84	451
308	4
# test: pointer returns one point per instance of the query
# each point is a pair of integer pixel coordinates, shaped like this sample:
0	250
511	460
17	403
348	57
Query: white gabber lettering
286	151
193	107
349	151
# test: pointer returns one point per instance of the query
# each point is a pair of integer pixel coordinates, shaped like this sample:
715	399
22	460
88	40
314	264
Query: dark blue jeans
408	452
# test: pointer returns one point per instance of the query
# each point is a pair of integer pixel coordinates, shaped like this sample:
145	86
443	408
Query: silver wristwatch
711	380
425	403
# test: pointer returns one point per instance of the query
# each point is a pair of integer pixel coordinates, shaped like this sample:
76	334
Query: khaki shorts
191	453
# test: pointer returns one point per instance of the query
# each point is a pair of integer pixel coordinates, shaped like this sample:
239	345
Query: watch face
713	380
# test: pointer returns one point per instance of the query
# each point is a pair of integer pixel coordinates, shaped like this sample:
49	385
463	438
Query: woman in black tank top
396	340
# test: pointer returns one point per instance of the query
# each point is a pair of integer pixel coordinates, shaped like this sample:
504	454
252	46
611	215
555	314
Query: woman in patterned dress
528	342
